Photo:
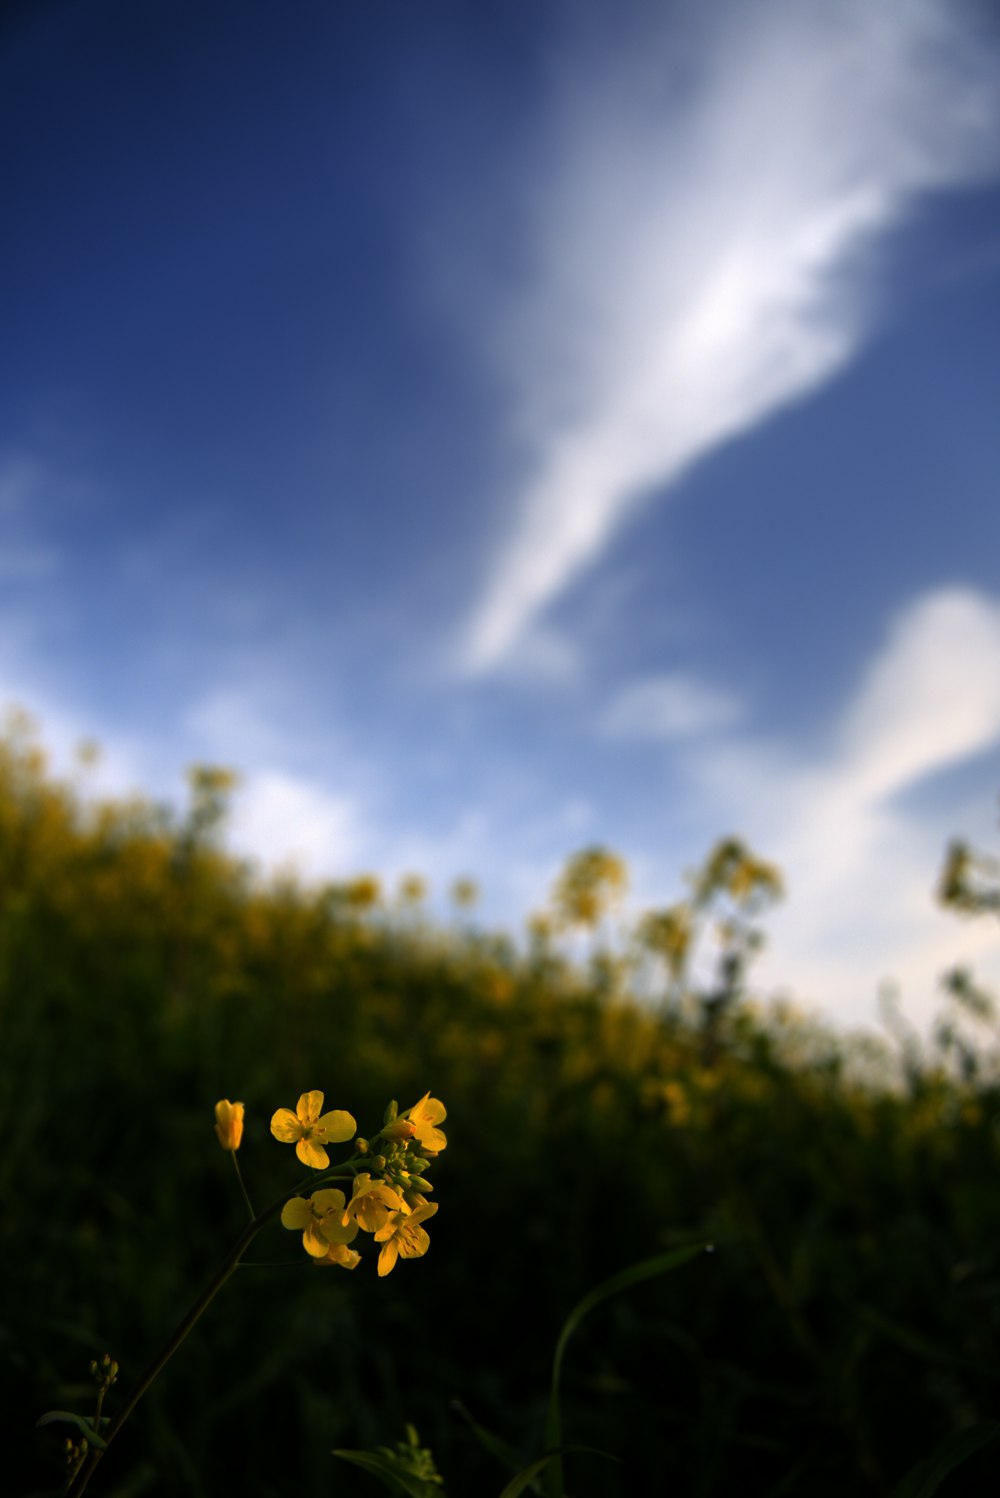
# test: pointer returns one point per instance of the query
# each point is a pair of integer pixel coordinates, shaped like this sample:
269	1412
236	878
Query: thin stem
239	1177
313	1182
211	1290
97	1413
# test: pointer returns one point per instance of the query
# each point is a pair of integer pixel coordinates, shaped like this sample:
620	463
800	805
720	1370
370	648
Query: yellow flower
321	1223
403	1236
308	1130
424	1116
339	1253
229	1123
371	1203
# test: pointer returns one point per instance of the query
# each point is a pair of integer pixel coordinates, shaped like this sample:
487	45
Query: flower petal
413	1243
387	1258
296	1213
308	1106
336	1126
388	1228
347	1258
314	1245
333	1231
329	1200
285	1126
312	1154
422	1213
431	1109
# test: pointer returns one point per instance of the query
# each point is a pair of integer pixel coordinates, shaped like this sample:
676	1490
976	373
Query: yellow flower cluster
388	1184
387	1199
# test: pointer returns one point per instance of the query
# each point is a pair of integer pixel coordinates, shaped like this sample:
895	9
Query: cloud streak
698	252
671	706
860	858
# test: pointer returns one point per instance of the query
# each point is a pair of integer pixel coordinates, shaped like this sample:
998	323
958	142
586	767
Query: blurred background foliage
601	1109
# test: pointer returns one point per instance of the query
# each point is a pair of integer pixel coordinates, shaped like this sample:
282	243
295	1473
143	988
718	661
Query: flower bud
229	1124
390	1113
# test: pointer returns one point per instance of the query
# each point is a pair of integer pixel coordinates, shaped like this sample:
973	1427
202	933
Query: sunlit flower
309	1130
371	1203
425	1116
402	1236
229	1123
320	1220
339	1253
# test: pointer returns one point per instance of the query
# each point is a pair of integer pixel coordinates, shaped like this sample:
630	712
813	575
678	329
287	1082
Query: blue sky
500	428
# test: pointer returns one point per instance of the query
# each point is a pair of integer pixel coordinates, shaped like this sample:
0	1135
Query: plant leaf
395	1478
82	1423
495	1445
925	1478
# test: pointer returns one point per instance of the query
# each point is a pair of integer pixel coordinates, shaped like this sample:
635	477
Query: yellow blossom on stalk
320	1220
402	1236
339	1253
425	1116
309	1129
371	1203
229	1123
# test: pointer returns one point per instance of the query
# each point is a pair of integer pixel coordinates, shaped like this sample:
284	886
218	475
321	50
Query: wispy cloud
671	706
696	261
860	855
22	557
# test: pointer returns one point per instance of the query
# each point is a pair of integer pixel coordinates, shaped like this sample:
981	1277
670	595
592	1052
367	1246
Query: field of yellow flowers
599	1111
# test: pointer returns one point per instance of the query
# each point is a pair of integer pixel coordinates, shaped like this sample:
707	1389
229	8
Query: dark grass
847	1321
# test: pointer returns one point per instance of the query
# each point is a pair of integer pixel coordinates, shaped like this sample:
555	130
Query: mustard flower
309	1129
339	1253
371	1203
402	1236
425	1116
321	1223
229	1123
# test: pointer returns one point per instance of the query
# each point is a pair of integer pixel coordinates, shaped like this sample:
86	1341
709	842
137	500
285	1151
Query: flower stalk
78	1483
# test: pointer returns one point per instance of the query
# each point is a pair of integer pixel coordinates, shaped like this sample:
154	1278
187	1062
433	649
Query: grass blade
625	1279
526	1477
925	1478
495	1445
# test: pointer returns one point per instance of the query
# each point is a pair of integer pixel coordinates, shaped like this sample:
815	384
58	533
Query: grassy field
598	1113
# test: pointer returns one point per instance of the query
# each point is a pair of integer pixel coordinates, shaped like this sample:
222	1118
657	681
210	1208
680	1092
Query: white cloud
671	706
932	697
696	252
287	821
860	863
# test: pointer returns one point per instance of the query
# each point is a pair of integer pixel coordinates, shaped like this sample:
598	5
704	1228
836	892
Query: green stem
97	1413
211	1290
239	1177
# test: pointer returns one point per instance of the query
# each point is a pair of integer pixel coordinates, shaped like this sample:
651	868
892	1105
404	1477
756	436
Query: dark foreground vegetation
846	1323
